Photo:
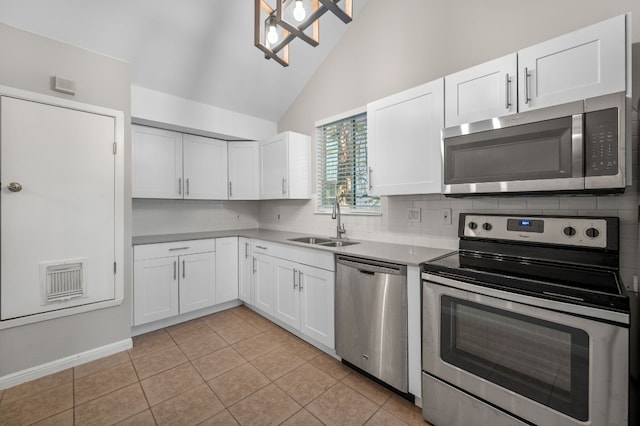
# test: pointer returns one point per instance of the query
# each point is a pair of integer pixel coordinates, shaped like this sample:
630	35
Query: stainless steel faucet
336	215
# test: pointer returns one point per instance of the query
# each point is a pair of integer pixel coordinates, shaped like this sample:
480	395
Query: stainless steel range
528	323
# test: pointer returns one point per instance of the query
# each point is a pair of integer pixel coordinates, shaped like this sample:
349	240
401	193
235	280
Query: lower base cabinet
295	293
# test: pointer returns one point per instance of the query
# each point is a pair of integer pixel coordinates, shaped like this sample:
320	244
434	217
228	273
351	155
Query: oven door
538	364
537	151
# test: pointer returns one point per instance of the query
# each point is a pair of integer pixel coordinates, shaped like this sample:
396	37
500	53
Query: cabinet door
481	92
403	139
274	172
245	270
155	289
244	170
317	304
226	269
205	168
263	283
585	63
287	300
156	164
197	281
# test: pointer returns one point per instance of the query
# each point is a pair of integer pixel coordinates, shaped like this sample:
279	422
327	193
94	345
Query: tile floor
232	367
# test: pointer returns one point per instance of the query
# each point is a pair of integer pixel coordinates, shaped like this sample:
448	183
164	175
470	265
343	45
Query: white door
245	270
274	168
263	283
482	92
226	269
205	168
197	281
61	217
317	294
287	299
403	139
156	163
585	63
155	292
244	170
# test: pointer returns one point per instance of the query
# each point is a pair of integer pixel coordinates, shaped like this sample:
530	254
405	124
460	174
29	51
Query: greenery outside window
342	166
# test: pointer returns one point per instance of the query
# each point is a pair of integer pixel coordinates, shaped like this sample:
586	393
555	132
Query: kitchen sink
339	243
311	240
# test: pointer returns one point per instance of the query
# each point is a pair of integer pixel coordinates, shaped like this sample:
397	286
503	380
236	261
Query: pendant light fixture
276	26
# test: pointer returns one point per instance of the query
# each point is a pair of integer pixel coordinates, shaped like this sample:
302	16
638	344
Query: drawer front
316	257
178	248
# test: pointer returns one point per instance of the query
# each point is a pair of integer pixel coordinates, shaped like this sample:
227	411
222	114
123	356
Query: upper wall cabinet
244	170
483	91
168	164
285	166
582	64
403	141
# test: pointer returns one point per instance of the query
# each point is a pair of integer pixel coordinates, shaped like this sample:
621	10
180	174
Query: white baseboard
42	370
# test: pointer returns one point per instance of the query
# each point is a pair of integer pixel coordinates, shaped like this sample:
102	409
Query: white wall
389	48
28	62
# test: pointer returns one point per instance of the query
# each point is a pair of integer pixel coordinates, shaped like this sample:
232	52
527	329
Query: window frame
344	209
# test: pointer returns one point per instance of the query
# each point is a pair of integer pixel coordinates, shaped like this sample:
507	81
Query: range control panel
572	231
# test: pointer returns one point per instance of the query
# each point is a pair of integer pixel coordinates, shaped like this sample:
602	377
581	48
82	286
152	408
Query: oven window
538	359
526	152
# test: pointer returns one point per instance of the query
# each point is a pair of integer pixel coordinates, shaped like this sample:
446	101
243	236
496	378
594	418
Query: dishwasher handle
372	266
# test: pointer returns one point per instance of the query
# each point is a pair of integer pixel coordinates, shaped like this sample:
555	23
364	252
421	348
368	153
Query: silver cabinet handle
294	278
260	247
175	267
14	187
370	184
230	190
179	248
183	268
284	183
187	186
254	265
508	92
246	250
179	186
527	78
299	280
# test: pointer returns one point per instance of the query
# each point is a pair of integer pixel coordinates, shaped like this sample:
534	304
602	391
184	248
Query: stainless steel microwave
573	148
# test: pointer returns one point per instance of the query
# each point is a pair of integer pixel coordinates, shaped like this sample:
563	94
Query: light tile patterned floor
232	367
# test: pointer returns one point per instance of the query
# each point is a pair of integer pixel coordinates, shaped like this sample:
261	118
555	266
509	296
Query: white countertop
398	253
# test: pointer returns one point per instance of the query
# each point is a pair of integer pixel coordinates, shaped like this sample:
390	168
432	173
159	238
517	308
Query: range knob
487	226
569	231
472	225
592	232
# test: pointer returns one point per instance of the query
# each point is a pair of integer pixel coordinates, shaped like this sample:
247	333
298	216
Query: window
342	165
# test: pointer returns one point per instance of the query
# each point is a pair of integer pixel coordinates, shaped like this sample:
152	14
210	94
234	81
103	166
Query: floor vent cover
63	281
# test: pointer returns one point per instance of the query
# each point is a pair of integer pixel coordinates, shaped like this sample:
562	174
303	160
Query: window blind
342	165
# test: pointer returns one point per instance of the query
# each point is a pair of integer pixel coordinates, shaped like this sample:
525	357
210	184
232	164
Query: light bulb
298	12
272	34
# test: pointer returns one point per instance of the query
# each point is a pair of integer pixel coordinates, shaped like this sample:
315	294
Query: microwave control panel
601	143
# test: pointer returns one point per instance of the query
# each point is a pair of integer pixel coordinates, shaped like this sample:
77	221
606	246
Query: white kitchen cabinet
244	170
285	166
226	269
588	62
173	278
205	168
263	282
156	163
287	299
171	165
317	300
197	281
403	140
245	270
481	92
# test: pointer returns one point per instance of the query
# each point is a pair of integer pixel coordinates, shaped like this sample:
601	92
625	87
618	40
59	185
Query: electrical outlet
445	216
414	215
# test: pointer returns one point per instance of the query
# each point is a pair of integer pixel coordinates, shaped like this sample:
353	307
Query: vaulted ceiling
197	49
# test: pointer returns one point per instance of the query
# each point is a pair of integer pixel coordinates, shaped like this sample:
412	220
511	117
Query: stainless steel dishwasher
371	318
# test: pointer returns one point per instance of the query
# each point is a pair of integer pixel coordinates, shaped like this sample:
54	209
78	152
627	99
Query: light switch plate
445	216
414	215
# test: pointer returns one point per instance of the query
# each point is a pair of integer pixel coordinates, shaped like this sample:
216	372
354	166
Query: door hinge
115	148
114	268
